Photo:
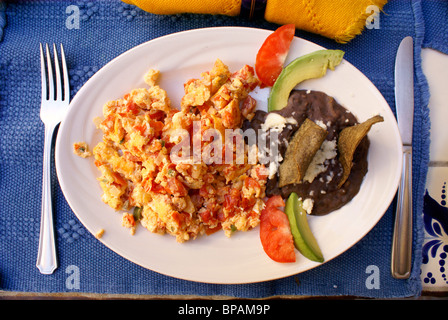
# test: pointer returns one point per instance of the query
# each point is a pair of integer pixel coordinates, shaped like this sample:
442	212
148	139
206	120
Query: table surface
435	66
433	273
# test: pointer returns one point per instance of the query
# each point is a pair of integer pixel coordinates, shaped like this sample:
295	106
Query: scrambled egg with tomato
185	199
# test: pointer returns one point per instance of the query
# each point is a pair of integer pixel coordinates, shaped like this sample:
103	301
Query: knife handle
402	238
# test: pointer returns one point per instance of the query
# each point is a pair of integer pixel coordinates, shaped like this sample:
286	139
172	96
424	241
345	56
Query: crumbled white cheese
308	205
270	157
276	122
326	152
273	167
330	176
273	121
321	124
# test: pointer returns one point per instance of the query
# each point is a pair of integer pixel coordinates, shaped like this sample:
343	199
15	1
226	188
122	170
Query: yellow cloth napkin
340	20
224	7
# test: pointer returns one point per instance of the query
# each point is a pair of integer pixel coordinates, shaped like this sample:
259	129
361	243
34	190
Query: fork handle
402	239
46	257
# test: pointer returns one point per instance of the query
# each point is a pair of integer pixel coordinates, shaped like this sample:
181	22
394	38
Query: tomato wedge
275	232
272	54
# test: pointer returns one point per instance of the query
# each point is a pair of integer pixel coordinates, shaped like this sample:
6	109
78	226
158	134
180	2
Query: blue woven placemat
435	14
109	28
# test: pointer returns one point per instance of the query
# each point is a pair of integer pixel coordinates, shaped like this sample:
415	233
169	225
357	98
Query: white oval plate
216	258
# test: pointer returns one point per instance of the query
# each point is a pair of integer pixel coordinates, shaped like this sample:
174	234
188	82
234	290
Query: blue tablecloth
109	28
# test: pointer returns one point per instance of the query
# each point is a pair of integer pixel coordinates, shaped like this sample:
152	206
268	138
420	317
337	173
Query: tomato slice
275	232
272	54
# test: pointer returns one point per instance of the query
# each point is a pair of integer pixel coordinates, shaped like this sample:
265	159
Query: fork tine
57	72
50	75
43	74
66	81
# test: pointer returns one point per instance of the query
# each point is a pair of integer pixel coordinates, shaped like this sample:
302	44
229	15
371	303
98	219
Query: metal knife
404	102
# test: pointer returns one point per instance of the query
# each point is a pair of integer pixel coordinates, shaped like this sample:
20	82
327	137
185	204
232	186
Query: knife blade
404	103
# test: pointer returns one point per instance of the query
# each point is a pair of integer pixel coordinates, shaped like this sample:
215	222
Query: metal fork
54	105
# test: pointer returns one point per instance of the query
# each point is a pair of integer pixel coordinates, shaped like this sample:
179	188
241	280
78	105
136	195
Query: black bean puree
318	106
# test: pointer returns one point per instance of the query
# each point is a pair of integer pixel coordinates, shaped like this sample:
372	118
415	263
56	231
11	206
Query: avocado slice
304	240
312	65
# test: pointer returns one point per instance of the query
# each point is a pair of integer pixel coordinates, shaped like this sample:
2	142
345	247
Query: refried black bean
323	190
